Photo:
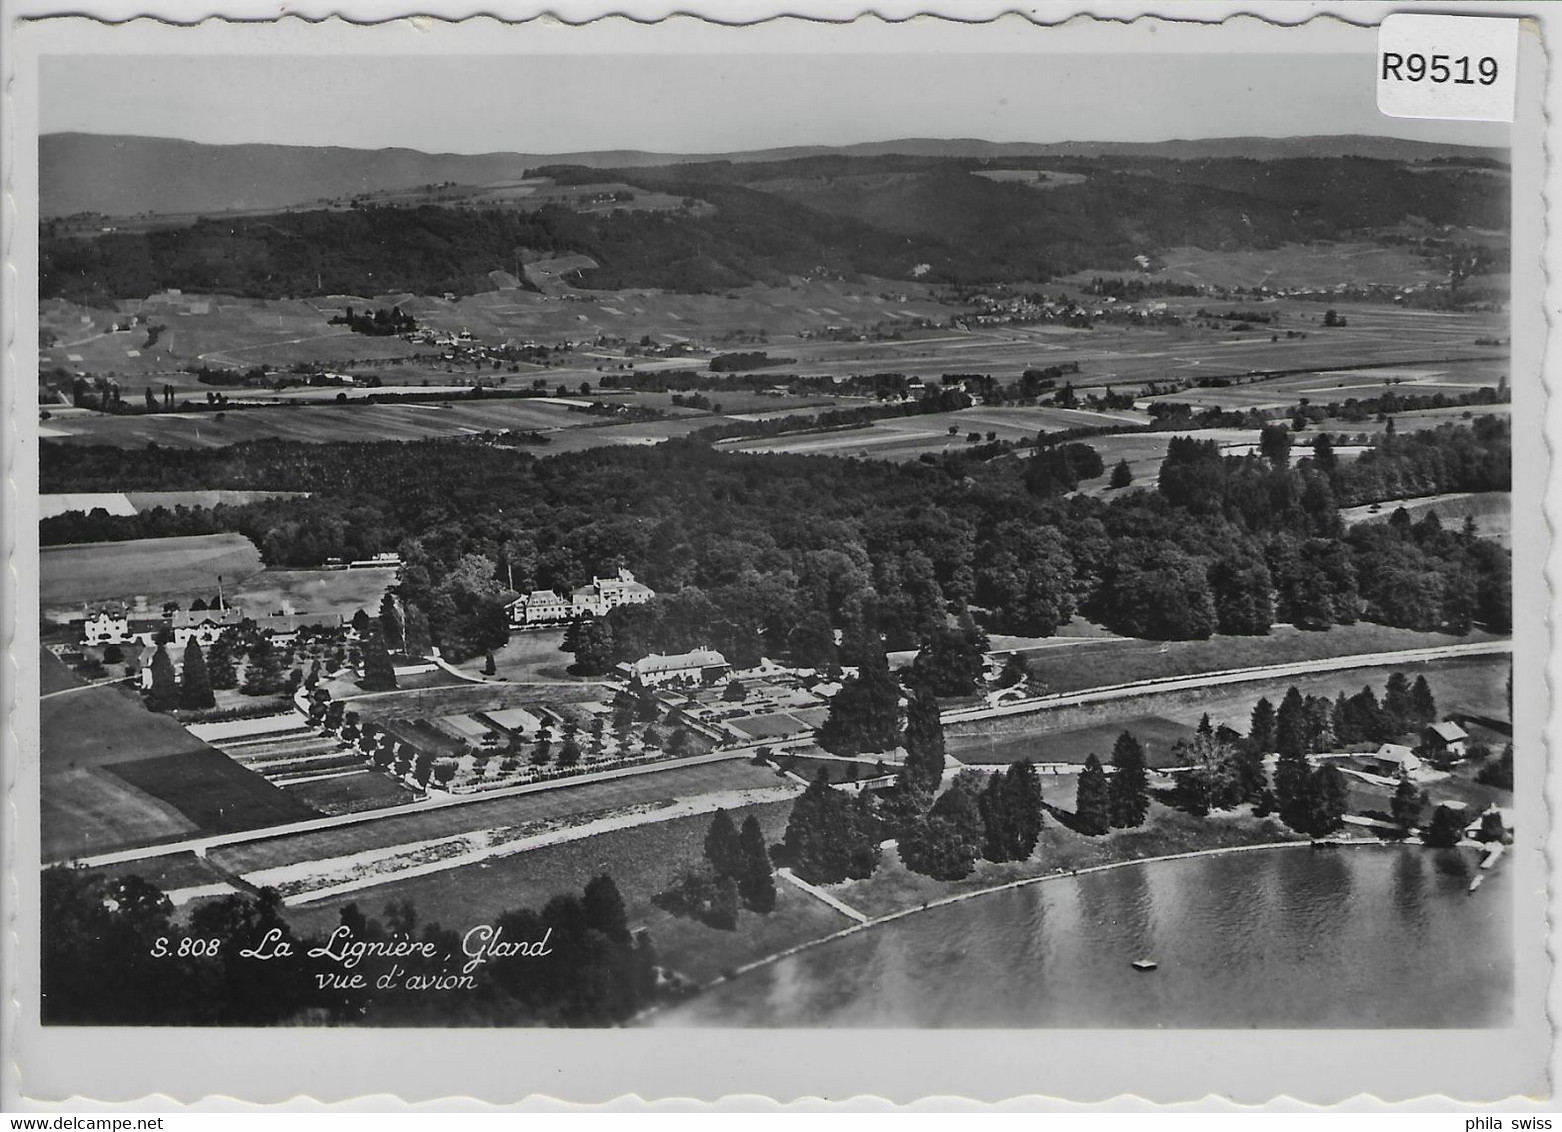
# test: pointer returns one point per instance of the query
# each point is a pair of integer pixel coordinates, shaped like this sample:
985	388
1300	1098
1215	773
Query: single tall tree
1406	806
865	713
1022	808
219	663
1128	792
1327	800
195	688
924	766
1397	703
1291	724
723	849
1091	813
1422	704
604	909
163	695
1261	727
1293	779
393	626
1445	830
379	674
757	881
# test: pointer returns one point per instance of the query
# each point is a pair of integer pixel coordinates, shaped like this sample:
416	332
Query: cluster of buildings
549	607
116	625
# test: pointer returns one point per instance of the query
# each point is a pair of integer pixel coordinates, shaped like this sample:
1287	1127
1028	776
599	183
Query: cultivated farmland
181	568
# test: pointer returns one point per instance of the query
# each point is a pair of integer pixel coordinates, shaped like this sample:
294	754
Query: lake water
1353	937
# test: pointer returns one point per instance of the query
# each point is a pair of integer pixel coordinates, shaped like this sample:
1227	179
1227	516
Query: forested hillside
895	217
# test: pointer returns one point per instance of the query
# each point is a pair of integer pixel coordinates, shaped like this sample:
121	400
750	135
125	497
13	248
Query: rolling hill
127	176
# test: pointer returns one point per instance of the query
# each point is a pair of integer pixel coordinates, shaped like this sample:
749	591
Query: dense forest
767	554
894	217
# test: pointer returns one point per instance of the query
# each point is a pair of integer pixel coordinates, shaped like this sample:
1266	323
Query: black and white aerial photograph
846	539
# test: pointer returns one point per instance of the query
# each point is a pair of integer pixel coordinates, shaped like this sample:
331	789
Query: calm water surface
1354	937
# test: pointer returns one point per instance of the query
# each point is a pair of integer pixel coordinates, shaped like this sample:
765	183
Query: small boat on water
1143	964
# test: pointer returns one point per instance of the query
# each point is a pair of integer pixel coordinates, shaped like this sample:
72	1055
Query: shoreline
959	897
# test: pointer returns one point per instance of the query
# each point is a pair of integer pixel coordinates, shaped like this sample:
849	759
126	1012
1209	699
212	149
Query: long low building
702	666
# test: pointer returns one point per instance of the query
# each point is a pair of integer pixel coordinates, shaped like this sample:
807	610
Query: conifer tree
1397	705
722	847
1327	800
1261	727
1128	792
195	689
757	880
163	695
1122	474
1293	779
997	837
219	663
1291	724
1091	814
1422	705
1022	808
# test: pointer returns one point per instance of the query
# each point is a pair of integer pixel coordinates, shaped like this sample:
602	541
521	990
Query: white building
604	594
702	666
542	607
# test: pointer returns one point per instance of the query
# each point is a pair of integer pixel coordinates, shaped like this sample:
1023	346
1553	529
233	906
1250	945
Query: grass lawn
213	791
1155	732
530	655
401	828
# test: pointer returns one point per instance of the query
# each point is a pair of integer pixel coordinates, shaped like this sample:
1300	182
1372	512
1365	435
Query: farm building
1446	738
1394	760
702	666
116	627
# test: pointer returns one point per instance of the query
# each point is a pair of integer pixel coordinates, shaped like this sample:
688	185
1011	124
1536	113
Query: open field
1155	732
179	568
1121	660
1299	265
314	591
401	828
1450	378
115	775
133	502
